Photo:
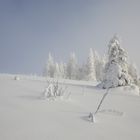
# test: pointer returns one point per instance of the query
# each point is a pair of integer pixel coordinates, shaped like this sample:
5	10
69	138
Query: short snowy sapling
54	90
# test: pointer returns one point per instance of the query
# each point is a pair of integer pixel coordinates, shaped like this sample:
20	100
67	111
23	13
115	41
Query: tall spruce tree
50	66
72	67
116	69
91	71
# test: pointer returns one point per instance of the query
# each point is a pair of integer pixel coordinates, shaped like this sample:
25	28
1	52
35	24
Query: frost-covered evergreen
133	71
53	90
57	73
81	75
116	69
102	68
72	67
113	70
62	68
50	67
90	66
99	65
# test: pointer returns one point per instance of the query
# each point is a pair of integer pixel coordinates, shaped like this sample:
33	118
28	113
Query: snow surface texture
25	116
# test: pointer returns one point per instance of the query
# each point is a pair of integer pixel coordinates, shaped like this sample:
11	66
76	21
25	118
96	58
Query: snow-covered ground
24	115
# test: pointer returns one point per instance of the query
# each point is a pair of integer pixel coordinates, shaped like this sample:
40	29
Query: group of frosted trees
91	70
112	70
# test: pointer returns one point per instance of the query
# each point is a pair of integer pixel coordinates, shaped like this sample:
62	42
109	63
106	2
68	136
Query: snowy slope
24	115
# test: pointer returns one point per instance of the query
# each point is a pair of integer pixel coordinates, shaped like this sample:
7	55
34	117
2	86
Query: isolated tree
116	69
81	75
97	61
102	68
72	67
99	65
62	69
90	71
44	73
50	66
133	72
57	73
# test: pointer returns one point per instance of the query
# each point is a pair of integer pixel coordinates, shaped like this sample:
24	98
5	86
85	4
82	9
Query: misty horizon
31	29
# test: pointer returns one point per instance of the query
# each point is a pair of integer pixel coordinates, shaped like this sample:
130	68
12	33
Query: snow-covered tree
62	68
57	73
102	68
50	67
81	75
99	65
45	70
90	66
116	69
72	67
53	90
133	71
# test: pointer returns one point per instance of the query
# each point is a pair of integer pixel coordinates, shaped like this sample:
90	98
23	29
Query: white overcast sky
30	29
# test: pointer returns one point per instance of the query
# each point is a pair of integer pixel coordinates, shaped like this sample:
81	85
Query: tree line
113	69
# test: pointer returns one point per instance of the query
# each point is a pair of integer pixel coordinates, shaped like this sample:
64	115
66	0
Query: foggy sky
30	29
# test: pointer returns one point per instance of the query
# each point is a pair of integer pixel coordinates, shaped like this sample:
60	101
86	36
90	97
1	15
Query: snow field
25	116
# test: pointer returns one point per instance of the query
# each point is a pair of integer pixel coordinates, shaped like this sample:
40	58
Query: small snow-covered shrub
132	89
17	78
54	90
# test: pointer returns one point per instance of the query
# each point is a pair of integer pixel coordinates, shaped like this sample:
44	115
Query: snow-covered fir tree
99	65
81	75
57	73
90	66
72	67
133	72
50	67
102	67
116	69
62	68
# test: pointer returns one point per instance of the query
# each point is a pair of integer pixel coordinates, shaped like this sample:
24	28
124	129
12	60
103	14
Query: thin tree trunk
101	101
92	115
